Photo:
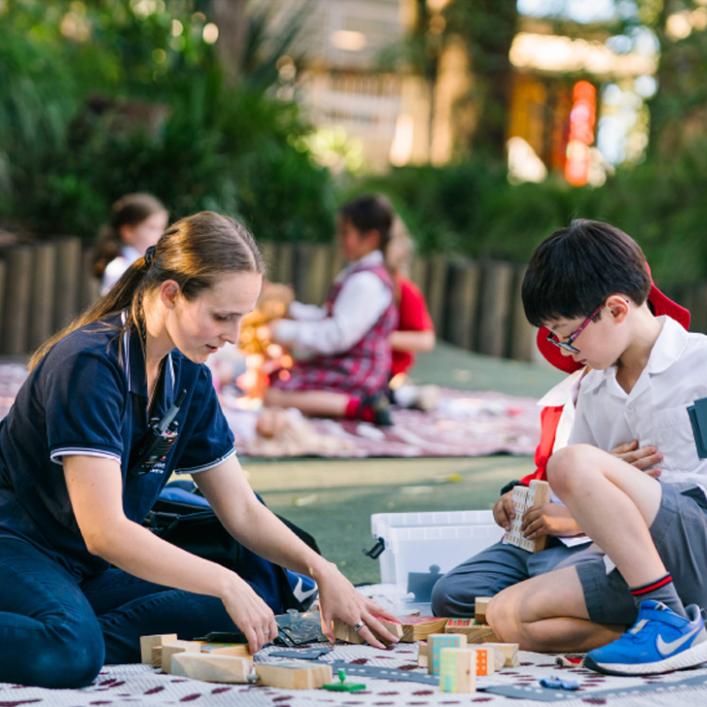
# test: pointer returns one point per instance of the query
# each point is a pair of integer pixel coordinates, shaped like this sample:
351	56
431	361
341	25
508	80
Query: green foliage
134	99
471	208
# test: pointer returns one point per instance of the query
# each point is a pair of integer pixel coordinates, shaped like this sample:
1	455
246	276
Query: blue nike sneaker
660	641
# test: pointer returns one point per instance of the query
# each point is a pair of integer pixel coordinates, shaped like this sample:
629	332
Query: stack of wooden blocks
228	663
457	650
467	649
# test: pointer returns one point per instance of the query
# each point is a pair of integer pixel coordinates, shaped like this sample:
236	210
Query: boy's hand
643	458
548	519
503	512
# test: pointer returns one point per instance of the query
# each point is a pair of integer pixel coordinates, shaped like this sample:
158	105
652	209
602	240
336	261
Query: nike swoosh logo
667	648
300	594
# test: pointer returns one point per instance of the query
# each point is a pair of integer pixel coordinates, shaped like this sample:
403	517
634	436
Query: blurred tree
487	28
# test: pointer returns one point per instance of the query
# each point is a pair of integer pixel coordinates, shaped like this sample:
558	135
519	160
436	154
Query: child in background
343	350
136	222
415	331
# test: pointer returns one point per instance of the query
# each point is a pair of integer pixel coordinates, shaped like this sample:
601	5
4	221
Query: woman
112	406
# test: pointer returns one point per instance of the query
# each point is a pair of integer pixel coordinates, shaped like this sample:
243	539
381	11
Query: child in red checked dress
343	350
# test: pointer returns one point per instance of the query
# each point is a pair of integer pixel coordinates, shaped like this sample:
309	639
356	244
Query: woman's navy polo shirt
88	396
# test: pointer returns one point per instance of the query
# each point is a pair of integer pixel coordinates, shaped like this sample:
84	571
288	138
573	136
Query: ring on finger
358	626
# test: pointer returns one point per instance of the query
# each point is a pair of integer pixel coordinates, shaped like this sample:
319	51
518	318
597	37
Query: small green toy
342	685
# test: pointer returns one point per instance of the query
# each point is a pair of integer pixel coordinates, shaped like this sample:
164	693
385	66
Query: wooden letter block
293	676
457	671
169	648
211	667
435	643
509	653
524	497
480	604
345	633
147	643
475	633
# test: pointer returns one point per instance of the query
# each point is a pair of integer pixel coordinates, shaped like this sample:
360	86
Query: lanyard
161	435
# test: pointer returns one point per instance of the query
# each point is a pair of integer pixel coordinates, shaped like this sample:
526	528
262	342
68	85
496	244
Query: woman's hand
339	600
503	512
643	458
548	519
250	613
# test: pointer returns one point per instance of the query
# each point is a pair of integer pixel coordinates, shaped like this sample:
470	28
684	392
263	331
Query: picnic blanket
144	685
463	424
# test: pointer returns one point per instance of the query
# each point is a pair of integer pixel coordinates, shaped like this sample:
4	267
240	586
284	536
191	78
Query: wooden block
345	633
148	643
485	660
457	672
435	643
475	633
524	497
422	661
509	651
480	604
293	676
417	628
169	648
239	649
210	667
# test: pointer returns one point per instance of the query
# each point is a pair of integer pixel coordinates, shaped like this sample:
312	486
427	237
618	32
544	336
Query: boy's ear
619	306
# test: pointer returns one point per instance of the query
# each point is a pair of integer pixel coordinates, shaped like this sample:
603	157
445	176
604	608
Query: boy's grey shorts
679	532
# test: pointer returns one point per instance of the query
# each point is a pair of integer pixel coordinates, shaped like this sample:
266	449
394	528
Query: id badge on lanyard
161	436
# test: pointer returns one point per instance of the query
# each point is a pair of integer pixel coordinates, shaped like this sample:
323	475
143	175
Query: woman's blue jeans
57	632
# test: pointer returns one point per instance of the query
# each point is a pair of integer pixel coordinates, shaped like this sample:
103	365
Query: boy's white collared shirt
655	411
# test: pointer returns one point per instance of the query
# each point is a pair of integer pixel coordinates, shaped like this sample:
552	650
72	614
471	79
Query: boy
503	565
588	284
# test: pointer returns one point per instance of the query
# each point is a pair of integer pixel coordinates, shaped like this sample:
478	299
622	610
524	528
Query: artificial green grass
334	499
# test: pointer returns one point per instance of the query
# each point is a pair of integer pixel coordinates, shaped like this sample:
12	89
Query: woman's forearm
139	552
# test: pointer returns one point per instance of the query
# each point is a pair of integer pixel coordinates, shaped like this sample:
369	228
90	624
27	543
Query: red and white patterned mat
463	424
143	685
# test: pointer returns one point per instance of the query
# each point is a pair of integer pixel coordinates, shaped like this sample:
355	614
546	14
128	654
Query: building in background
577	104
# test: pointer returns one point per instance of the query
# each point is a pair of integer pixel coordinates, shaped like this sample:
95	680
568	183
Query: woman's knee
63	659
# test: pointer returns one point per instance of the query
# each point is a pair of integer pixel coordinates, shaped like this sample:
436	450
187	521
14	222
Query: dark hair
129	210
193	252
574	270
371	212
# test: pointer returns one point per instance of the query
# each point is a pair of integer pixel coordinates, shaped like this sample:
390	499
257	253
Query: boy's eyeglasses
567	343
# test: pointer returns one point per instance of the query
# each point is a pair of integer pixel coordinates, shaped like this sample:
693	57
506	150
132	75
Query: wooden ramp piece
293	676
509	653
169	648
211	667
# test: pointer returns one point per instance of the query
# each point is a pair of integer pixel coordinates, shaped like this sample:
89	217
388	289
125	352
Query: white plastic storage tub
419	546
